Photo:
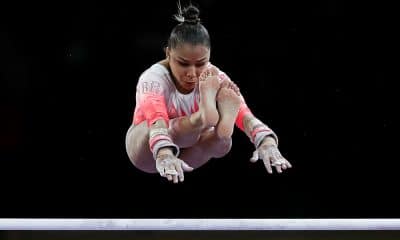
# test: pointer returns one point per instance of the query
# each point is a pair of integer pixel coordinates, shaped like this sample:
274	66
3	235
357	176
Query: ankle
197	120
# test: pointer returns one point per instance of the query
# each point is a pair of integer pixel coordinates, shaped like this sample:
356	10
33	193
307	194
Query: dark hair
189	29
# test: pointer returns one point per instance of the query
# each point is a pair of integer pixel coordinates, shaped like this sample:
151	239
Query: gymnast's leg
215	143
184	131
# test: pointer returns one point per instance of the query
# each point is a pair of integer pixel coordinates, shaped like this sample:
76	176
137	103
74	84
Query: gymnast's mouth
190	83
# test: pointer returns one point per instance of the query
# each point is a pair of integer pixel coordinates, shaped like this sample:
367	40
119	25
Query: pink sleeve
243	111
150	100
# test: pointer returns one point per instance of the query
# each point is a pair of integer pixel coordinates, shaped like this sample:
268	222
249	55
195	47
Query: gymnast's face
187	62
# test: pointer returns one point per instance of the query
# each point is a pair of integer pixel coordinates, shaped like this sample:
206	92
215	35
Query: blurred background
315	72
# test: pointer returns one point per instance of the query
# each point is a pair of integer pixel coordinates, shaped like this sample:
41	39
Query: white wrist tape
162	144
259	137
159	138
259	132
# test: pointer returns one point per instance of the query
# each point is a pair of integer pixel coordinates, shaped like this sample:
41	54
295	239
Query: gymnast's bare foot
208	87
228	107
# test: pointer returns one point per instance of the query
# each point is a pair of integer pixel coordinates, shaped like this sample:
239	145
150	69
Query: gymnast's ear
166	50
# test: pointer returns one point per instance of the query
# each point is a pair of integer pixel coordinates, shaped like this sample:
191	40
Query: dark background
315	72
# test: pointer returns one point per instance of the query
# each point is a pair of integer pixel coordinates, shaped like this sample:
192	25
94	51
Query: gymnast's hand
170	166
269	153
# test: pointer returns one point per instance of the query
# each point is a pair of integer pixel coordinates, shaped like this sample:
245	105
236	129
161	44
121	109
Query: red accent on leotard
243	111
153	108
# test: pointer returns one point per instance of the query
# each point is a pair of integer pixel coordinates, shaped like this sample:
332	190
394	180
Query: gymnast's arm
264	139
152	108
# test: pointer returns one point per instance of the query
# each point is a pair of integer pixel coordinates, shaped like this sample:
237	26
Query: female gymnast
187	108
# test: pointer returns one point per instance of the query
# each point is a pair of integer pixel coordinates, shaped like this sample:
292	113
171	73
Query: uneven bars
199	224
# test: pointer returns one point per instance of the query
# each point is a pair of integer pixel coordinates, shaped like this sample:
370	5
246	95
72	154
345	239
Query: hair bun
189	14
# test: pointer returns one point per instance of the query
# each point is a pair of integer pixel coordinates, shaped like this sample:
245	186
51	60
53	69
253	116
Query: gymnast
187	108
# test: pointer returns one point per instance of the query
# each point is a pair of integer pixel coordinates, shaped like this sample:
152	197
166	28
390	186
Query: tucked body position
187	108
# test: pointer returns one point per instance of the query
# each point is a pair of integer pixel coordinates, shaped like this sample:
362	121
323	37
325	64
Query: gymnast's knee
137	149
146	165
222	146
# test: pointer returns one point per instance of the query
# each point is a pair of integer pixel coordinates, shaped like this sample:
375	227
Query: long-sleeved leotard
158	98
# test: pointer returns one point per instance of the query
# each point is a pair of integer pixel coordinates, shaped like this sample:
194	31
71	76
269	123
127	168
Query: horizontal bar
198	224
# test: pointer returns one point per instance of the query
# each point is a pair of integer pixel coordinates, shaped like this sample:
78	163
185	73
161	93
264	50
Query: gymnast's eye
202	64
183	64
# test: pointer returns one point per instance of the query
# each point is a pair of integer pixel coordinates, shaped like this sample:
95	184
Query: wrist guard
159	138
259	132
